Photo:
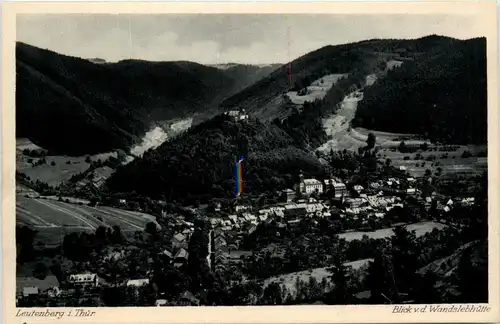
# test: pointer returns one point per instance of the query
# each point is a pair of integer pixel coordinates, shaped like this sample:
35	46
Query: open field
63	169
419	228
453	164
317	89
53	219
288	280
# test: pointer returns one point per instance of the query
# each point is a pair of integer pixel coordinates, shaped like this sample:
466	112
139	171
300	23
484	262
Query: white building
237	115
309	186
137	282
160	302
29	291
411	191
84	279
338	187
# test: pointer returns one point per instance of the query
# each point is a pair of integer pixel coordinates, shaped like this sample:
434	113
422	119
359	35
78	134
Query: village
356	212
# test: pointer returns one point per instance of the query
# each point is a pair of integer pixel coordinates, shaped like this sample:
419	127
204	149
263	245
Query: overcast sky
221	38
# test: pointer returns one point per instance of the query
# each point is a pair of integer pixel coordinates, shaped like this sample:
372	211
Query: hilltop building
237	115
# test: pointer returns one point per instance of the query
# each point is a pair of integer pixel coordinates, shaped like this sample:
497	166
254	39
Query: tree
88	159
117	236
371	140
472	276
428	172
388	162
151	228
380	279
272	294
53	163
402	147
342	293
40	271
425	289
404	257
25	238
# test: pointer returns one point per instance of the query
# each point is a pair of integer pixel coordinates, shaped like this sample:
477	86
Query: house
215	221
289	194
339	189
468	201
410	179
217	206
161	302
411	191
233	219
237	115
358	188
220	241
188	299
241	208
54	292
450	202
179	241
137	282
294	210
84	279
30	291
181	256
356	202
166	254
402	168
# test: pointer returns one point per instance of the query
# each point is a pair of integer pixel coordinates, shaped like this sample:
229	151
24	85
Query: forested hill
73	106
363	58
442	95
248	74
199	163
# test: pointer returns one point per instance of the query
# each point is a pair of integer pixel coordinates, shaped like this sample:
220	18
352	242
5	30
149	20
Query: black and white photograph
229	159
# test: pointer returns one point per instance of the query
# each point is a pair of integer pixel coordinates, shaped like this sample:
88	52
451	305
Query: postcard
250	162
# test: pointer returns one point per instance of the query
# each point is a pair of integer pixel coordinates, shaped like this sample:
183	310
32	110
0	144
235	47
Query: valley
333	201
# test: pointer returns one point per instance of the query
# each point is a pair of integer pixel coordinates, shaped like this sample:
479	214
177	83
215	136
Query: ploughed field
53	219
